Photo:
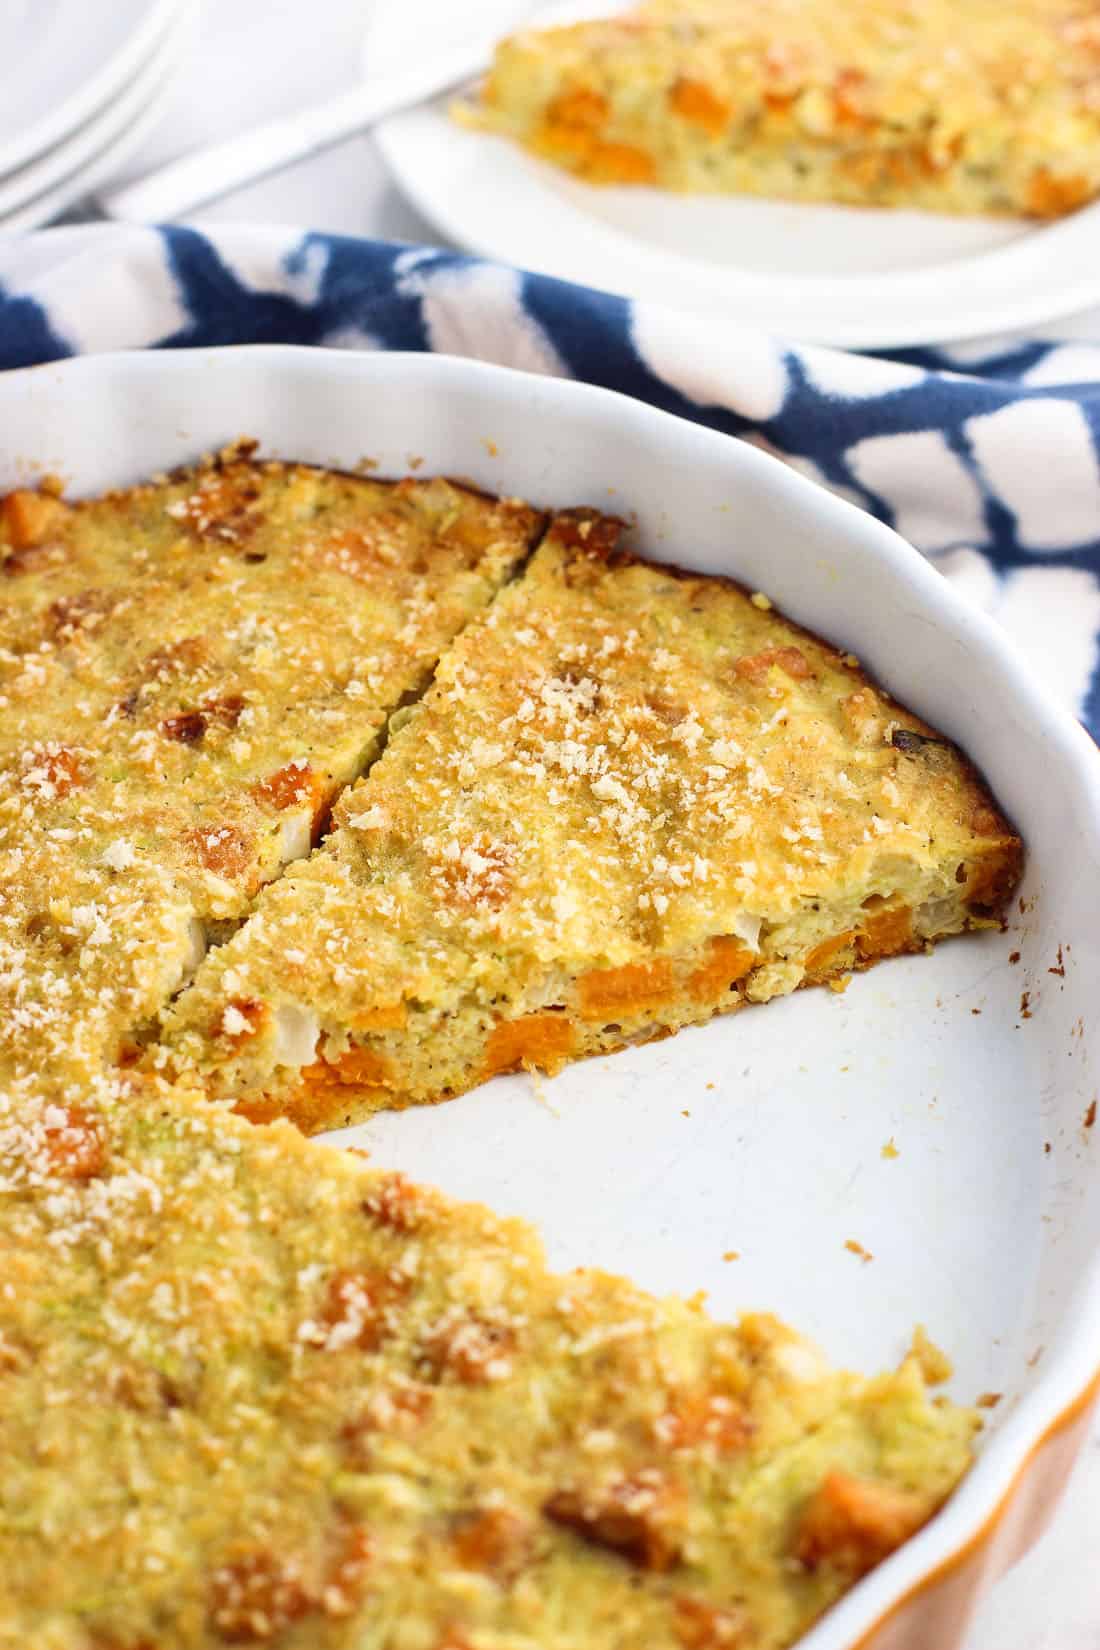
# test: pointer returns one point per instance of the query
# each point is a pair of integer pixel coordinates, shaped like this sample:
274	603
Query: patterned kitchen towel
985	457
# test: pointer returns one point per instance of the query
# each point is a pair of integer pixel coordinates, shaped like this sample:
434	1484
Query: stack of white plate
85	83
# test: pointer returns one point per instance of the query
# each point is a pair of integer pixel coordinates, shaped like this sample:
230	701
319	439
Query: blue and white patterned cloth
985	457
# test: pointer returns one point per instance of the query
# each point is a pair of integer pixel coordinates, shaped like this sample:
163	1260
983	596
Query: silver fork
207	173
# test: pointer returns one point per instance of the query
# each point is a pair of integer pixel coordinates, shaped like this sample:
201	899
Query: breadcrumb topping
965	107
252	1391
219	673
256	1392
631	798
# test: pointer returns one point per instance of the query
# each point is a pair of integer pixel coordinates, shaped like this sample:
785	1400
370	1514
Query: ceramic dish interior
763	1134
861	277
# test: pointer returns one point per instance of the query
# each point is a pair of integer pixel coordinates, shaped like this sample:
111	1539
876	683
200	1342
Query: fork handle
218	168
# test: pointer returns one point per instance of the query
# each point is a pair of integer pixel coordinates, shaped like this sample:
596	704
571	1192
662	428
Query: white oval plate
858	277
65	60
762	1133
110	140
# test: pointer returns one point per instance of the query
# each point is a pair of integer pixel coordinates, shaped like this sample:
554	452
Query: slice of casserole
972	106
189	671
254	1393
632	799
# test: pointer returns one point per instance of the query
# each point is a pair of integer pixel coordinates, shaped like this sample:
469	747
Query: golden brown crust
633	798
192	670
254	1392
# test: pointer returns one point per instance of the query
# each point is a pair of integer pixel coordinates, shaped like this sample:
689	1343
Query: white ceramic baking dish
763	1134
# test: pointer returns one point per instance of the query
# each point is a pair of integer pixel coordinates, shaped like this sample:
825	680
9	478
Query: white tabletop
258	58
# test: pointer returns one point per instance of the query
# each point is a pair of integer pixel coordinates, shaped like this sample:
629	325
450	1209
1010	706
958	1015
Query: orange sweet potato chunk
848	100
578	110
694	100
320	1097
641	1517
254	1596
289	786
220	848
571	128
357	1066
493	1540
243	1019
56	770
791	660
702	1626
353	1313
74	1144
702	1419
1049	196
819	959
383	1017
618	163
397	1204
542	1041
727	961
257	1595
886	933
469	1349
636	988
854	1523
29	518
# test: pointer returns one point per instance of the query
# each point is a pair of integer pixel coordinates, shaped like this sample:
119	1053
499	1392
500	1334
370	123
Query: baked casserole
974	107
255	1393
633	798
252	1391
190	670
